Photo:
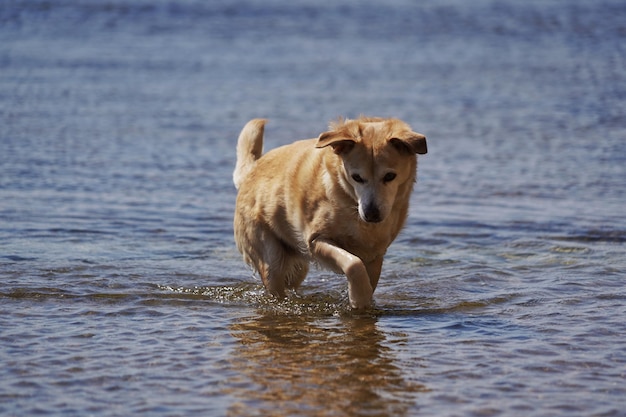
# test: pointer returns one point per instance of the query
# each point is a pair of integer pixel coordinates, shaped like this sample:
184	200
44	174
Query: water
121	291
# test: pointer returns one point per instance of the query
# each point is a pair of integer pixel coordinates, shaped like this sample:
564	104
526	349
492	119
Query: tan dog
340	199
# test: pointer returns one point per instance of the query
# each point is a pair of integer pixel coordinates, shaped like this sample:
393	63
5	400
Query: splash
321	303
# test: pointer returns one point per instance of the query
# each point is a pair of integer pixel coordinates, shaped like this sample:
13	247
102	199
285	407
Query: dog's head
379	161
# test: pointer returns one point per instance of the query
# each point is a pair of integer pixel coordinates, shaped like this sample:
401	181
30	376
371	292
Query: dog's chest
366	241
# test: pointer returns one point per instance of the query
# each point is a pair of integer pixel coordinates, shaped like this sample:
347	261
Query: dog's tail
249	149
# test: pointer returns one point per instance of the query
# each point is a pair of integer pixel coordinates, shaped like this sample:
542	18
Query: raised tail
249	149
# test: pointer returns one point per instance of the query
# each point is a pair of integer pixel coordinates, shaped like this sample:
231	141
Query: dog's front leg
359	287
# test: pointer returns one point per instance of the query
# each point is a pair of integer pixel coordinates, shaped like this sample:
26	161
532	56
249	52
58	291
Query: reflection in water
310	366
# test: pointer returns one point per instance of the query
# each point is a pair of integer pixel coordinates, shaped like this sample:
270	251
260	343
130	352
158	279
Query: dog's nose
371	214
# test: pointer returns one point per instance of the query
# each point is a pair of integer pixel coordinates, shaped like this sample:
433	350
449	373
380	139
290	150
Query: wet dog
340	200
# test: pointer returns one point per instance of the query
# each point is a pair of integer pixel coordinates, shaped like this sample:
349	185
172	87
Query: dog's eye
390	176
358	178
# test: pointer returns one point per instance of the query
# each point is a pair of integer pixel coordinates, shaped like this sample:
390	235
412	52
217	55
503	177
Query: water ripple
121	288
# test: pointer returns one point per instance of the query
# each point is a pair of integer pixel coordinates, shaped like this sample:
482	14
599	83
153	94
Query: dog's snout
371	214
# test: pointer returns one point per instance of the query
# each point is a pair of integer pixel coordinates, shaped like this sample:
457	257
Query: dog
339	200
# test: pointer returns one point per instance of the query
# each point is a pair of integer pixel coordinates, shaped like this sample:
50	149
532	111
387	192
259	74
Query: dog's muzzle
371	214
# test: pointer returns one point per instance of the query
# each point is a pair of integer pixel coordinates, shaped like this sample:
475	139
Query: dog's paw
360	296
360	305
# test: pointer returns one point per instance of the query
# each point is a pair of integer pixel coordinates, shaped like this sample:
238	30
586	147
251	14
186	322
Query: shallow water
122	292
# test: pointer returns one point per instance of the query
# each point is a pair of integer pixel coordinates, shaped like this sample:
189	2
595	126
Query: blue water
121	289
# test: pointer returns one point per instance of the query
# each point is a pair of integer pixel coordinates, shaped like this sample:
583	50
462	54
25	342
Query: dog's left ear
410	142
338	140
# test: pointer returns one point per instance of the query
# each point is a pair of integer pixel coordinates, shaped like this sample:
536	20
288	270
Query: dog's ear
410	142
338	140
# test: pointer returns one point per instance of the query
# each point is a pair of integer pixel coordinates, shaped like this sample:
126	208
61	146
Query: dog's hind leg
284	268
296	268
281	267
260	249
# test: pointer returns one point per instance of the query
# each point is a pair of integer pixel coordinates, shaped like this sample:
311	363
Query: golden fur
340	199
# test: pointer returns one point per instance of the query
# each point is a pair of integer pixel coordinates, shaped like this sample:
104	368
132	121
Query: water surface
122	292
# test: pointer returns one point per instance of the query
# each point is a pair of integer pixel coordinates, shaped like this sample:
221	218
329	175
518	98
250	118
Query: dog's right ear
339	142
